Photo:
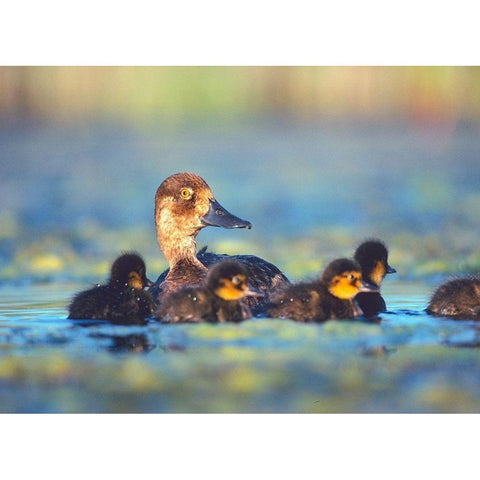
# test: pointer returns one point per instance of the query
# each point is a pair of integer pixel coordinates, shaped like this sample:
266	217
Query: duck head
372	256
228	280
184	204
129	269
343	278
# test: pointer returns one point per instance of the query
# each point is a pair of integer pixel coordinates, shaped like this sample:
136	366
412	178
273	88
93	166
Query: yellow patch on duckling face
346	285
135	281
378	273
231	288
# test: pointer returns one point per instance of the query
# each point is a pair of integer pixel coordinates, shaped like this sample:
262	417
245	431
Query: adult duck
184	204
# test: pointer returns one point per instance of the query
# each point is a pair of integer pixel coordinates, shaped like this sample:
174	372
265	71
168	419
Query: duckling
220	297
372	256
329	297
122	300
458	298
184	204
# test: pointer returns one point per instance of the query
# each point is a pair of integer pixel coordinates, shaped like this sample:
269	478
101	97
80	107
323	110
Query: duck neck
375	273
178	247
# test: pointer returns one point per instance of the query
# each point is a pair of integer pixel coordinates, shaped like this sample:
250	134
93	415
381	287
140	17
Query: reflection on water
405	362
135	343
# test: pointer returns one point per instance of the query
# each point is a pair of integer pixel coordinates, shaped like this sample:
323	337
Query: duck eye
351	276
185	193
236	280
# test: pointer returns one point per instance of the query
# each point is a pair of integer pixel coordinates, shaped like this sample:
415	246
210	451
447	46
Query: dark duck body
220	297
327	298
458	298
122	300
184	204
372	256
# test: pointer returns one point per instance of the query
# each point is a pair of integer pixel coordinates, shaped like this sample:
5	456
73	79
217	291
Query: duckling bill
122	300
184	204
330	297
220	297
458	298
372	256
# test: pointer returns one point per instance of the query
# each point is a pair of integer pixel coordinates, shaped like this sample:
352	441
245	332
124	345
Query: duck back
308	302
298	302
117	305
459	298
186	305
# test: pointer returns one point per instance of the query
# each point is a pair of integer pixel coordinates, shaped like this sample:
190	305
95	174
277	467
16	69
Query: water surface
74	196
407	362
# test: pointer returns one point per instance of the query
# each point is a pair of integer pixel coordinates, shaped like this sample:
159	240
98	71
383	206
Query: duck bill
217	216
390	269
368	287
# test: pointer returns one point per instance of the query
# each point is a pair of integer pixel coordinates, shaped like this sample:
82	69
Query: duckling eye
236	281
351	277
185	193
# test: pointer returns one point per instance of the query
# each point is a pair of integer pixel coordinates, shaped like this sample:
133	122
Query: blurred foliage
55	259
317	158
145	93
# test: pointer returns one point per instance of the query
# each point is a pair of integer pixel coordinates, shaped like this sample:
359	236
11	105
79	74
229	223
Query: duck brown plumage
184	204
329	297
372	255
458	298
220	297
122	300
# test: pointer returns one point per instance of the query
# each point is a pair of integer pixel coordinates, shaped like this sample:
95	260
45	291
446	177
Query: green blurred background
317	158
145	94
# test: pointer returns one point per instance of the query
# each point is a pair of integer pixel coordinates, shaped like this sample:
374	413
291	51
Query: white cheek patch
166	218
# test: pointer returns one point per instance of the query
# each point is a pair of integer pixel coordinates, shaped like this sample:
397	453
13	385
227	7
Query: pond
74	196
407	362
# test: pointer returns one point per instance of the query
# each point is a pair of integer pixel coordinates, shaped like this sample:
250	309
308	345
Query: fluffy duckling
184	204
122	300
458	298
329	297
372	256
220	298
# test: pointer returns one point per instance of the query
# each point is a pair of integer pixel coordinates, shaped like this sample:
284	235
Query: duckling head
228	280
129	269
344	279
184	204
372	256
